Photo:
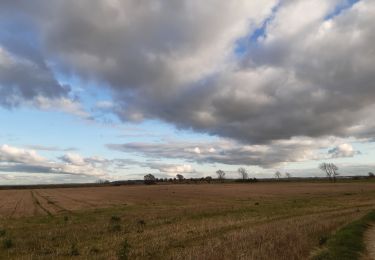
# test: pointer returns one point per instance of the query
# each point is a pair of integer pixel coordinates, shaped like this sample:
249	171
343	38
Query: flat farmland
285	220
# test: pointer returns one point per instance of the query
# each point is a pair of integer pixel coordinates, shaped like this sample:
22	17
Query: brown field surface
285	220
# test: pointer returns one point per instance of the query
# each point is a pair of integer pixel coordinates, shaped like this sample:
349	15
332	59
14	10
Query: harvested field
18	203
285	220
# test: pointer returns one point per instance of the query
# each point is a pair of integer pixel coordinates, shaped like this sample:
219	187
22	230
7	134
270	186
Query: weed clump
7	243
73	250
94	250
115	228
115	219
123	253
323	240
140	225
114	224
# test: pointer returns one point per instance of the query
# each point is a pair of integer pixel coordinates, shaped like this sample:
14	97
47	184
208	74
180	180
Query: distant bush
251	180
149	179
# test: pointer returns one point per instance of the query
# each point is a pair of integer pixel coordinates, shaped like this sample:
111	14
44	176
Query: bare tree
180	177
371	175
149	179
220	175
243	173
288	175
277	175
330	169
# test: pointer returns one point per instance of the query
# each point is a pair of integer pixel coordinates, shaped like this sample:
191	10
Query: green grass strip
348	242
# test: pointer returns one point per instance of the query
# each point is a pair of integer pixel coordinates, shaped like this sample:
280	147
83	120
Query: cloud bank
277	78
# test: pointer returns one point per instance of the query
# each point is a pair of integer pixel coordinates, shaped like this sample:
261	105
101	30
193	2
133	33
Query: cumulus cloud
310	73
73	158
16	155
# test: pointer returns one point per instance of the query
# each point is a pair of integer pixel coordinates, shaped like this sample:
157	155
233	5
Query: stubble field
285	220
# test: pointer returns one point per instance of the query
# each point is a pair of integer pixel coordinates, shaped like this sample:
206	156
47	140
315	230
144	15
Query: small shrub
123	253
66	218
2	232
141	222
256	203
7	243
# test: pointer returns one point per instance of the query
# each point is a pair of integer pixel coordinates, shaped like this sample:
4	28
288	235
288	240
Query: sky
110	89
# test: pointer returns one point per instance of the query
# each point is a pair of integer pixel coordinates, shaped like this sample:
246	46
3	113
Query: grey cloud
23	79
229	152
50	148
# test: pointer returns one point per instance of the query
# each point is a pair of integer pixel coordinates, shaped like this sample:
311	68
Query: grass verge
348	242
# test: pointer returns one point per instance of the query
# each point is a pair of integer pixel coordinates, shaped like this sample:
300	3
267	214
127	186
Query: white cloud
172	168
73	158
343	150
16	155
13	159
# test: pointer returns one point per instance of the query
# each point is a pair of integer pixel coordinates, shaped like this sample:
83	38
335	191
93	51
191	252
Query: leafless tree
243	173
180	177
278	175
220	175
330	169
288	175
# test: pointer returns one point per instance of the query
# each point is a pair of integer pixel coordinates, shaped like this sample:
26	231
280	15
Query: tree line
330	169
